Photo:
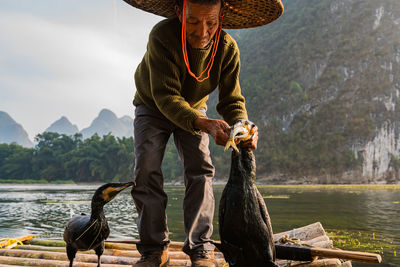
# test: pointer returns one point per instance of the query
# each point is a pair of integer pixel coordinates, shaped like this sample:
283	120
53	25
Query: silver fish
240	131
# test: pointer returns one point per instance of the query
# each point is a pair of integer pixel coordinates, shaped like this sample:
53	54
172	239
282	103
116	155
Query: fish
244	224
242	130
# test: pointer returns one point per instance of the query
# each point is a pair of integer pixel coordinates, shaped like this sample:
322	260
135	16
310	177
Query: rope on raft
8	243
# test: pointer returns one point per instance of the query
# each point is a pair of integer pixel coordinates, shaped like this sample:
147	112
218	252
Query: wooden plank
316	240
304	233
324	244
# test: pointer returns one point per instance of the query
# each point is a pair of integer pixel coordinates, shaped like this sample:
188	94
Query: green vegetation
69	159
25	181
395	162
65	159
33	181
364	241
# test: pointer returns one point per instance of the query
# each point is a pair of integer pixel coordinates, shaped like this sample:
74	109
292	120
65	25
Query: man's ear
178	12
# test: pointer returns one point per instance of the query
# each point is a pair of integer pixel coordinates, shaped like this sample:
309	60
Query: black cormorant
244	224
84	232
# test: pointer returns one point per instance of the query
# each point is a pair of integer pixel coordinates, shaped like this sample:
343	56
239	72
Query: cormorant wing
264	211
75	227
222	205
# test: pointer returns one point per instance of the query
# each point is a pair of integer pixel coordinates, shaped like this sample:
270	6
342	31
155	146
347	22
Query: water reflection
358	219
44	210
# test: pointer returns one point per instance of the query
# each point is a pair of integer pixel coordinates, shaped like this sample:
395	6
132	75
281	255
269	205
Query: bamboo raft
122	252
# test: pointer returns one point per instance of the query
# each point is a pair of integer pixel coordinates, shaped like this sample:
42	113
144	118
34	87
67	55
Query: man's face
202	23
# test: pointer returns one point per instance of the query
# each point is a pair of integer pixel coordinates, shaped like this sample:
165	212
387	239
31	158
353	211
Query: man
188	56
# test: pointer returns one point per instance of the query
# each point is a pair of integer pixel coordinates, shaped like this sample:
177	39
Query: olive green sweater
163	82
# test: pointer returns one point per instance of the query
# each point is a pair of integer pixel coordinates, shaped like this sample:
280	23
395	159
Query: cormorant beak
114	189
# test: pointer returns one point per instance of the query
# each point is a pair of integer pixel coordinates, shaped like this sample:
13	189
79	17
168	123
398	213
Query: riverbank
348	177
218	182
33	181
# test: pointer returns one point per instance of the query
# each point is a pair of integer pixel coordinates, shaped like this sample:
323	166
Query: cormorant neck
242	167
97	212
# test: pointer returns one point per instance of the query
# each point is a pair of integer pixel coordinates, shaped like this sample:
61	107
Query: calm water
356	218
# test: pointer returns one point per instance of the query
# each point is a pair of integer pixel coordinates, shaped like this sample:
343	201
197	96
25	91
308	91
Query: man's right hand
218	129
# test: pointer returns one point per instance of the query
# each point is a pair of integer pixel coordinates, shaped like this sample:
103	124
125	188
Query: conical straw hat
237	14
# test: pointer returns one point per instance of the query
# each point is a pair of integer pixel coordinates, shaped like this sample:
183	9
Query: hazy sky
69	58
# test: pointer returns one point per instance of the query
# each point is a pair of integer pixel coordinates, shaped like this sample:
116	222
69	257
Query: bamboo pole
63	256
320	263
312	234
109	257
57	263
60	243
47	242
109	252
308	254
120	246
306	233
347	255
48	263
42	248
172	244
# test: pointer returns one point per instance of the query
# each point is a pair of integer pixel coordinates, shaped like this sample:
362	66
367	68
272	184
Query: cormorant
244	224
84	232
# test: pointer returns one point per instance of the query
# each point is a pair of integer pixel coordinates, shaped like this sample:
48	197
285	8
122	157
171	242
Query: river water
363	218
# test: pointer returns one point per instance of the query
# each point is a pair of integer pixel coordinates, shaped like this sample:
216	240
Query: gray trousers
151	133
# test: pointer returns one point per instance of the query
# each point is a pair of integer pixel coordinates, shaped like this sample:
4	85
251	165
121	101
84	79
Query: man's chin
199	44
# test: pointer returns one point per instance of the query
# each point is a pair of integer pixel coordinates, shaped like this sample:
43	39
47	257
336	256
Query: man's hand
252	142
218	129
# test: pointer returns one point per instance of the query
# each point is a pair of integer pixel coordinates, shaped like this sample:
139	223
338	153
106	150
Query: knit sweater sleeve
231	105
165	84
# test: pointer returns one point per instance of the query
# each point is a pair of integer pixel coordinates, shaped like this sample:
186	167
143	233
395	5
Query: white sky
69	58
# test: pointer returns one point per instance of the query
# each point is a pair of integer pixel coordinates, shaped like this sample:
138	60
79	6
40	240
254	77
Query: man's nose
202	30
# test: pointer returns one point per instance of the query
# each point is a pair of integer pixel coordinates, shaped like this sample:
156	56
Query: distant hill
63	126
12	132
128	122
105	123
323	85
108	123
